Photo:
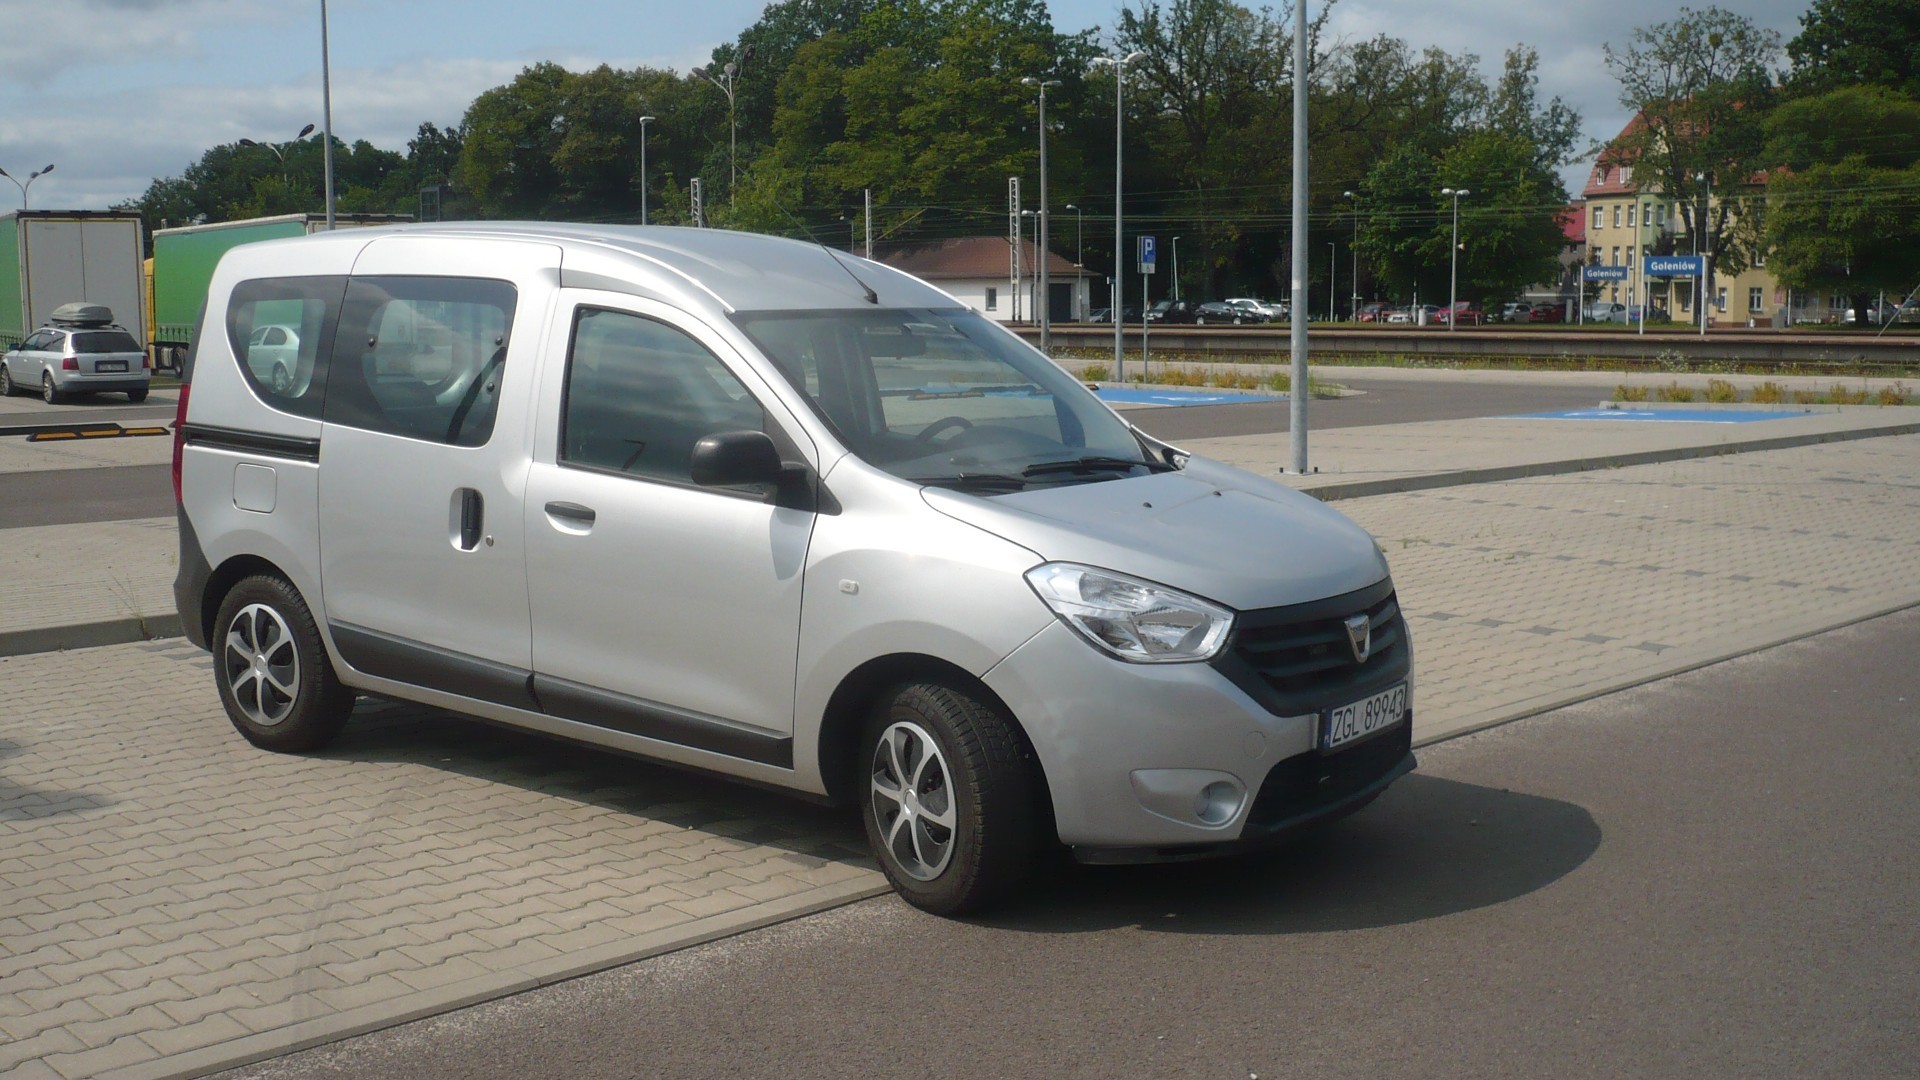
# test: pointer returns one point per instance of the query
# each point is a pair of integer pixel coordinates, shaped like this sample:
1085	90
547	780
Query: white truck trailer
53	257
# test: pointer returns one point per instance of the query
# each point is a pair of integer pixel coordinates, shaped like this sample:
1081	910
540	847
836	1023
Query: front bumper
1131	753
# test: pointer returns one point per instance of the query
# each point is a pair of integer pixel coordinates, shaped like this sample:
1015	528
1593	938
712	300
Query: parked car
81	350
806	523
1423	314
1173	311
1375	313
1225	311
1464	312
1130	313
1268	310
1513	311
273	354
1606	313
1547	313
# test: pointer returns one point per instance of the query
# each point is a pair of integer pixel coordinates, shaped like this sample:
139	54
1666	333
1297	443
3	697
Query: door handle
472	518
574	512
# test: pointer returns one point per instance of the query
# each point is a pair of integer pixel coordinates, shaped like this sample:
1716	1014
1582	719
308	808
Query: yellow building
1626	219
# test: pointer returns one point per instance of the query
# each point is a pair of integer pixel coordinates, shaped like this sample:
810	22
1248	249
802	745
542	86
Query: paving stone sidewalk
172	900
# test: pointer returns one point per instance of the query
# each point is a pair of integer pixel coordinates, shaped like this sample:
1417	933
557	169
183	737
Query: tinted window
421	357
104	341
640	394
290	376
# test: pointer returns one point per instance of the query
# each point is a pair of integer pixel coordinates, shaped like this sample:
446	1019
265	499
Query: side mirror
736	457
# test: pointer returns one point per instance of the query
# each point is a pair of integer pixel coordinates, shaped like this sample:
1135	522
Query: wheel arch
225	577
855	697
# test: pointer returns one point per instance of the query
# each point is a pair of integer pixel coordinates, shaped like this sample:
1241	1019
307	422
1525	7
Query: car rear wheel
950	798
48	392
7	389
136	396
275	680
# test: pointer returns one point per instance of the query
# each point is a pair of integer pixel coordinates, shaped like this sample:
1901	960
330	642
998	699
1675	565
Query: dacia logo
1360	636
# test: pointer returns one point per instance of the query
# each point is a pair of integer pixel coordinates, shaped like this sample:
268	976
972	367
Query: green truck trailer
183	262
54	257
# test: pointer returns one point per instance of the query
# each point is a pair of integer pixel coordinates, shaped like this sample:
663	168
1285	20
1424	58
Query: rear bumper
190	584
115	383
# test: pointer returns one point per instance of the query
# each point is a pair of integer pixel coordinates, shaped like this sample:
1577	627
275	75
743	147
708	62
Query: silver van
756	507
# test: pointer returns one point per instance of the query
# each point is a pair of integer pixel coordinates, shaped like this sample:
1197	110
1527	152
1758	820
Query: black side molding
290	447
617	712
390	657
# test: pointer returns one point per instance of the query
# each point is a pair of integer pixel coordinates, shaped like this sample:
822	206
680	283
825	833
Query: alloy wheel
262	664
912	793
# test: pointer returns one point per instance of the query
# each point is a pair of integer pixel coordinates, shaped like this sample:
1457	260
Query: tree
1700	88
1843	211
1857	43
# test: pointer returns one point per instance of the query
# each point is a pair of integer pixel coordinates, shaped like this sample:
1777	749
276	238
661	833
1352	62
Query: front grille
1298	659
1307	782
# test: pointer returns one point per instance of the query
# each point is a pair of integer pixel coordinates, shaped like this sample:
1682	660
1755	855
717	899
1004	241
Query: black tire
7	388
136	396
988	784
48	393
275	680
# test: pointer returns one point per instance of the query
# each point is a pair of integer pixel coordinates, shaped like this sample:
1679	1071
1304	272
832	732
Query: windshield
945	397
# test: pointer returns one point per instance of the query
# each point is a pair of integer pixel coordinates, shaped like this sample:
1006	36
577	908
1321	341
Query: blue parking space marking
1671	416
1179	397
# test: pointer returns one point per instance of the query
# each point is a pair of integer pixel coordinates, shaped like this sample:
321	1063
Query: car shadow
1427	848
19	802
401	732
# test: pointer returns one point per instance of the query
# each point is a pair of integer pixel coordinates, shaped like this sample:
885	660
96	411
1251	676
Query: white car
273	354
1267	312
80	352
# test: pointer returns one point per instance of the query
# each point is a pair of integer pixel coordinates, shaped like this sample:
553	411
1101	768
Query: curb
392	1013
88	635
1360	489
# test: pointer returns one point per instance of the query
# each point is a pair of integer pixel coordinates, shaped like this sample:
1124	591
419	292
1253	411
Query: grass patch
1673	391
1096	373
1623	392
1769	393
1722	392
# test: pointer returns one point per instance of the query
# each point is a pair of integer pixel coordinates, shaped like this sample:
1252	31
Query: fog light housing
1204	798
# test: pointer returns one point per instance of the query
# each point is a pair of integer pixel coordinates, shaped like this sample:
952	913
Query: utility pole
1297	400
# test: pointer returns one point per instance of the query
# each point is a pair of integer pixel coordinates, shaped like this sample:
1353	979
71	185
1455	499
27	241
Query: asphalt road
1712	875
81	495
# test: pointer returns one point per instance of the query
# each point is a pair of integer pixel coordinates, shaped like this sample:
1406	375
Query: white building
978	270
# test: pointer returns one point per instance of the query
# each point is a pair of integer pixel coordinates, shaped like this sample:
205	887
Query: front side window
946	397
282	330
641	393
421	357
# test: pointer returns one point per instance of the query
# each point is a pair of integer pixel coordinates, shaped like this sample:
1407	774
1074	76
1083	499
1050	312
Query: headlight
1132	619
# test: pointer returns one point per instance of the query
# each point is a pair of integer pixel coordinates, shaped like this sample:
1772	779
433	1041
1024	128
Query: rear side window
104	341
299	316
421	357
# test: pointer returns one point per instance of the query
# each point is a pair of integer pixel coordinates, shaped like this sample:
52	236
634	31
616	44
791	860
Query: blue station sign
1676	265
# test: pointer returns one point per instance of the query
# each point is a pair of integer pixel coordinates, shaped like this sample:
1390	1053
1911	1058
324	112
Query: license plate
1362	718
110	365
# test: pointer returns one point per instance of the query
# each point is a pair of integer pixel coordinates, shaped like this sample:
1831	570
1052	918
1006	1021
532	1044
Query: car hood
1232	537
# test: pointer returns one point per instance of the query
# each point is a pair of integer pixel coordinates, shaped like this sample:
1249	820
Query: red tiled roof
1573	223
969	257
1608	175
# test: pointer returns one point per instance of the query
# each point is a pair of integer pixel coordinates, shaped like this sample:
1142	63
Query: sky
117	93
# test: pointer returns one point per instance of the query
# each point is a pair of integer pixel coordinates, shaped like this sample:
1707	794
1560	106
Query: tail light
70	363
179	438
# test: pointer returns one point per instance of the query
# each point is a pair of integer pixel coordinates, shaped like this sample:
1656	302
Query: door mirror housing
730	458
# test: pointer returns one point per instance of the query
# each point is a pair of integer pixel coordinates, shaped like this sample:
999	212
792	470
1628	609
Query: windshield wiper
964	481
1094	463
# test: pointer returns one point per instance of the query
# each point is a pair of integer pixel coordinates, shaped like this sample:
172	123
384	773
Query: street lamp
1079	236
279	150
1046	279
1333	274
31	177
644	121
326	114
1355	214
1176	268
728	72
1453	260
1020	260
1119	65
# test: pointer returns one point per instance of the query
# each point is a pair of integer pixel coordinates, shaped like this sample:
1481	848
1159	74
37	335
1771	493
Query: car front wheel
950	798
276	682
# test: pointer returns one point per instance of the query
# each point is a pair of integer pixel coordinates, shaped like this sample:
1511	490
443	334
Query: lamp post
1021	283
644	121
326	113
1355	249
1046	278
1705	250
1453	259
31	177
1176	268
1079	236
728	72
279	150
1333	274
1119	65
